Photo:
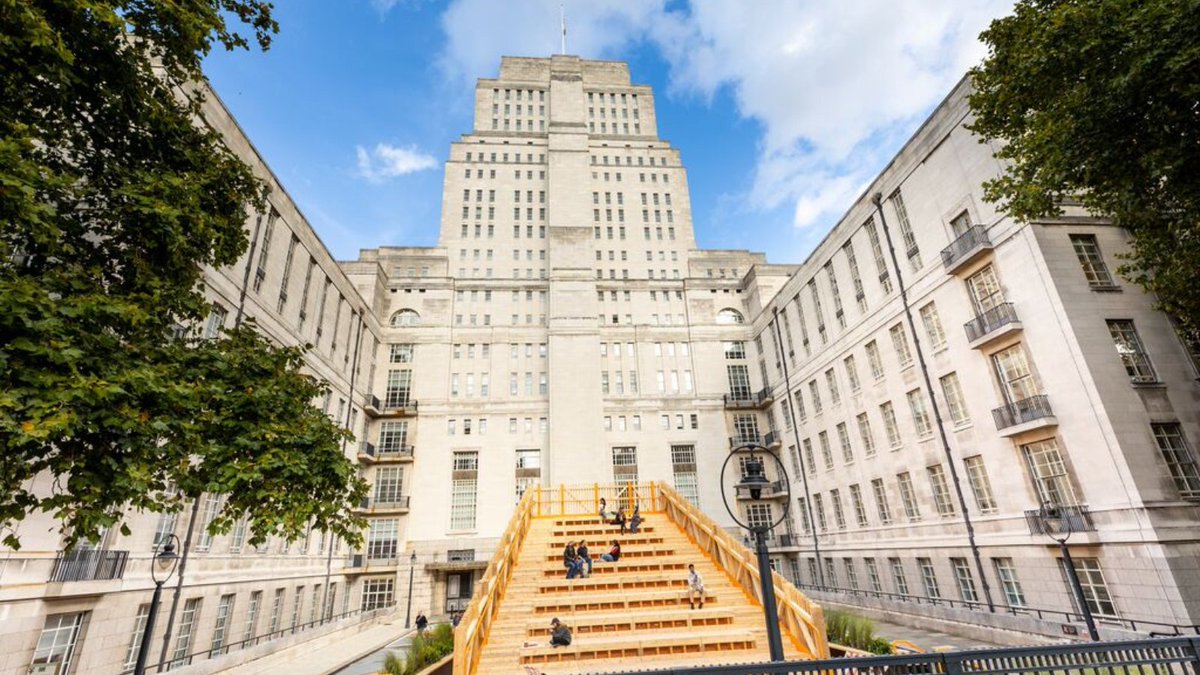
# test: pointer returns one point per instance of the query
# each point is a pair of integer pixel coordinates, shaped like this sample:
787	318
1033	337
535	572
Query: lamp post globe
753	485
1057	523
162	568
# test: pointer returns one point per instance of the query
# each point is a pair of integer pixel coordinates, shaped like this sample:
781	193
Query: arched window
729	315
406	317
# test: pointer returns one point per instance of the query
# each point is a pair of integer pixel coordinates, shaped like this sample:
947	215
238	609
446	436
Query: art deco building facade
932	362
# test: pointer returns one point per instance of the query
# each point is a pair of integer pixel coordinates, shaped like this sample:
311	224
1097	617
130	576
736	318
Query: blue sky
783	111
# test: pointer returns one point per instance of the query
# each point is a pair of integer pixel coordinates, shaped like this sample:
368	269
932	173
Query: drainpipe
877	199
787	390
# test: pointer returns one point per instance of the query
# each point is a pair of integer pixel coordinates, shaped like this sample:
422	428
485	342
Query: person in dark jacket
422	623
619	520
614	553
560	634
636	521
582	552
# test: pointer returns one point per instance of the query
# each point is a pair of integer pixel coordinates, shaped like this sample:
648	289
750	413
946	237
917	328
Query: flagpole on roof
562	16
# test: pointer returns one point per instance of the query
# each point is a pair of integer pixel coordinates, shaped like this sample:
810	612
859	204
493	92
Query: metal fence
1059	615
88	565
1160	656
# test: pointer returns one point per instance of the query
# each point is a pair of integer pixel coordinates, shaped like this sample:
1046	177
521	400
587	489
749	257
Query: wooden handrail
798	616
473	628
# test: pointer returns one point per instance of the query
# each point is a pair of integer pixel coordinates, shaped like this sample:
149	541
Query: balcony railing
746	399
397	503
738	440
88	565
975	238
1078	518
769	491
772	439
992	320
388	452
371	404
1020	412
401	406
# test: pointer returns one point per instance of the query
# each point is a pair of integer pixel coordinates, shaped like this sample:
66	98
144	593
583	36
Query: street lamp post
412	565
162	567
1058	525
754	481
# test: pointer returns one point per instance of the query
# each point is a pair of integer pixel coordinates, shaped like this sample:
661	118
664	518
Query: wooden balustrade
800	618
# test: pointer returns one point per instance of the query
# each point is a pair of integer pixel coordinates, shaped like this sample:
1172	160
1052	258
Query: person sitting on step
620	519
614	553
560	634
603	510
695	586
582	551
569	561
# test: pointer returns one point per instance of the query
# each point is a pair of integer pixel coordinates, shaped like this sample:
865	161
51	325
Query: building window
221	626
873	575
404	353
839	516
874	360
1181	462
377	593
916	404
528	469
399	385
864	432
1094	268
1131	350
941	490
955	402
929	578
981	487
463	490
406	317
933	327
889	424
1049	473
1095	590
851	373
1006	572
900	343
389	481
835	395
1016	377
898	576
624	463
382	540
393	436
135	640
881	502
908	497
729	316
860	510
187	627
683	462
885	280
252	616
906	231
966	583
851	573
56	644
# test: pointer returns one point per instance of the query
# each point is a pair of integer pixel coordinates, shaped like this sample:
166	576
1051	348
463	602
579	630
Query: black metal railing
394	452
397	503
366	449
88	565
974	237
371	402
769	491
1162	656
1058	615
327	617
1077	517
400	405
771	438
994	319
1019	412
785	540
746	438
747	399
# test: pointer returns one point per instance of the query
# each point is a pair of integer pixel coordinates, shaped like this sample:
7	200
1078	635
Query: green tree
1097	100
112	199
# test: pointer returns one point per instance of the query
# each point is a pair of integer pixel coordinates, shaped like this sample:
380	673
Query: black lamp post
162	567
754	482
1057	523
412	565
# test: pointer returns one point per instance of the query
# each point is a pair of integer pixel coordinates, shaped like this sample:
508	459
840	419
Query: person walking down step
695	586
560	634
614	553
636	521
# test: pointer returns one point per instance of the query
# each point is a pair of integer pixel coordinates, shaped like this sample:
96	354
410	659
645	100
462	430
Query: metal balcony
401	407
738	440
398	505
1077	517
744	400
1024	415
772	490
368	452
968	247
772	440
88	565
992	324
371	405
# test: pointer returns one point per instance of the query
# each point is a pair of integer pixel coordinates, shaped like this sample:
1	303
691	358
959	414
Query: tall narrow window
984	289
683	465
287	274
933	327
885	280
221	626
528	469
135	639
1094	268
382	540
463	490
873	574
855	277
966	582
906	231
1016	377
881	501
844	442
852	373
838	314
874	360
929	578
889	424
1095	589
908	497
860	509
864	433
839	515
248	631
56	644
941	491
916	403
981	487
898	577
187	627
955	402
1006	572
260	274
624	463
1132	352
835	395
900	344
1181	461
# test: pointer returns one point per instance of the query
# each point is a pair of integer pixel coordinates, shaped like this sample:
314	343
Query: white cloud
388	161
835	86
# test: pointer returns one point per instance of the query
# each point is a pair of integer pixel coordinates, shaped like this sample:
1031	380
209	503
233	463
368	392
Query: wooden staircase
629	613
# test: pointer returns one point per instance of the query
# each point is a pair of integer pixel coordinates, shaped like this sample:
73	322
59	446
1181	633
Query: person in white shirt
695	587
